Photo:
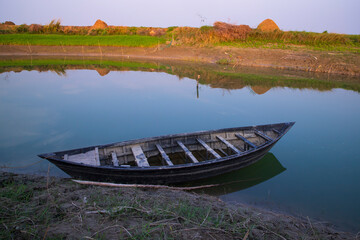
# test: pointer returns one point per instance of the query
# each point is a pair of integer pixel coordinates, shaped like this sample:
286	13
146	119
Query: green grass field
80	40
274	40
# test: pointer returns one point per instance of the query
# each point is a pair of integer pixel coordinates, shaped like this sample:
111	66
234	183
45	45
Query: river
50	105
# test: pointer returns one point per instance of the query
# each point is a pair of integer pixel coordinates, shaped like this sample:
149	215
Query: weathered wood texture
140	157
263	135
229	145
187	152
164	155
245	140
209	149
114	159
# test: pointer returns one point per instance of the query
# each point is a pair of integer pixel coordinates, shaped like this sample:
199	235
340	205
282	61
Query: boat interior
176	149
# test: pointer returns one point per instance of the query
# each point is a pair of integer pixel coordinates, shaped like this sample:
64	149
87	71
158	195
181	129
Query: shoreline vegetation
52	208
222	43
266	35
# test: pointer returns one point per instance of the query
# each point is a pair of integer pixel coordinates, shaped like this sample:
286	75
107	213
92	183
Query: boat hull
172	173
165	175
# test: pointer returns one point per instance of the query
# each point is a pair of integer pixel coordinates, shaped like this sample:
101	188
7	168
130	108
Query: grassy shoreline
51	208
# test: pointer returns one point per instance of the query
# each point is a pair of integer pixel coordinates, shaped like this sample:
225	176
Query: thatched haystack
9	23
268	25
260	89
99	25
102	71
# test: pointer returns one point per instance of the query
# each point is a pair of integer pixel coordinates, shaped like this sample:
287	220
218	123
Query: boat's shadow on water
261	171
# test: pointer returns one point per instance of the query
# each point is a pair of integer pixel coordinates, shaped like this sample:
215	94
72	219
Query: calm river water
313	171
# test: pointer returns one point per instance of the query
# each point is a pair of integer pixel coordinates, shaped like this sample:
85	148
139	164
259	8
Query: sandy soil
304	60
34	207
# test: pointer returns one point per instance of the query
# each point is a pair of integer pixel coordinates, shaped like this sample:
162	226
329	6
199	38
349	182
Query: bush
35	28
23	28
170	29
230	32
53	27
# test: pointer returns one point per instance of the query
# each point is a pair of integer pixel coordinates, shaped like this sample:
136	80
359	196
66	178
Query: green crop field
80	40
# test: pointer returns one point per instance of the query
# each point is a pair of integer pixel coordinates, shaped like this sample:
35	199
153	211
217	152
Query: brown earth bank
35	207
303	60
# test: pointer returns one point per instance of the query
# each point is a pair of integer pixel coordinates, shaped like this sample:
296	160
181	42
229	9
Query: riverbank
54	208
345	63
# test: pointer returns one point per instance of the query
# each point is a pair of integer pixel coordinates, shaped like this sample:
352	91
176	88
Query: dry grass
39	208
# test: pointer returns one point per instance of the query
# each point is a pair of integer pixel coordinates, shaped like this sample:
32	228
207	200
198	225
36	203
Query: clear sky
340	16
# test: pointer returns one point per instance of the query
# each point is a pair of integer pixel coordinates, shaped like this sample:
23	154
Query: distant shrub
302	38
132	30
230	32
23	28
170	29
157	32
142	31
221	32
53	27
5	31
36	28
206	28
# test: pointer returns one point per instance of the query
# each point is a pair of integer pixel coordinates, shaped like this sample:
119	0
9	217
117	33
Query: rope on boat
29	165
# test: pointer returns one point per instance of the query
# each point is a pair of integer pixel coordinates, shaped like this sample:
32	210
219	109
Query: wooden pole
142	185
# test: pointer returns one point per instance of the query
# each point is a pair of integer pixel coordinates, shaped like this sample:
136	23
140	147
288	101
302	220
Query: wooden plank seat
140	157
247	142
276	131
222	151
229	145
114	159
263	135
97	156
208	148
164	155
187	152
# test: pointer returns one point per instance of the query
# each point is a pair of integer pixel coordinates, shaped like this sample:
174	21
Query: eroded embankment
39	207
304	60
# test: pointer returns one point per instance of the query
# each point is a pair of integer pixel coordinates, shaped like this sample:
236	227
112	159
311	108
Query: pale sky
340	16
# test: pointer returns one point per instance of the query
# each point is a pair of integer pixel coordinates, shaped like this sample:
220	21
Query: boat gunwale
53	156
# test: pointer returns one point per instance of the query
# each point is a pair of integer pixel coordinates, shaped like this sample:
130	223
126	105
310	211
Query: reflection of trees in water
212	75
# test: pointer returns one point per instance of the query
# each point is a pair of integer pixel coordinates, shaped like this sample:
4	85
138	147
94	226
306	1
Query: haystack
260	89
102	71
268	25
99	25
9	23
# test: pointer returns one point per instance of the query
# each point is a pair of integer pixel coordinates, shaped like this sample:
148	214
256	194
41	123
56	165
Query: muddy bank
40	207
303	60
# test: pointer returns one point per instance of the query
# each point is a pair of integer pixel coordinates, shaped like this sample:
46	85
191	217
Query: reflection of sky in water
44	112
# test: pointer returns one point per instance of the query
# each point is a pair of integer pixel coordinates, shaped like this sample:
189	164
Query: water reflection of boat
172	158
261	171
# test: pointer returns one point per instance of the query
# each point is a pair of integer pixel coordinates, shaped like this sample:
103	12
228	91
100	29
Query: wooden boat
172	158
